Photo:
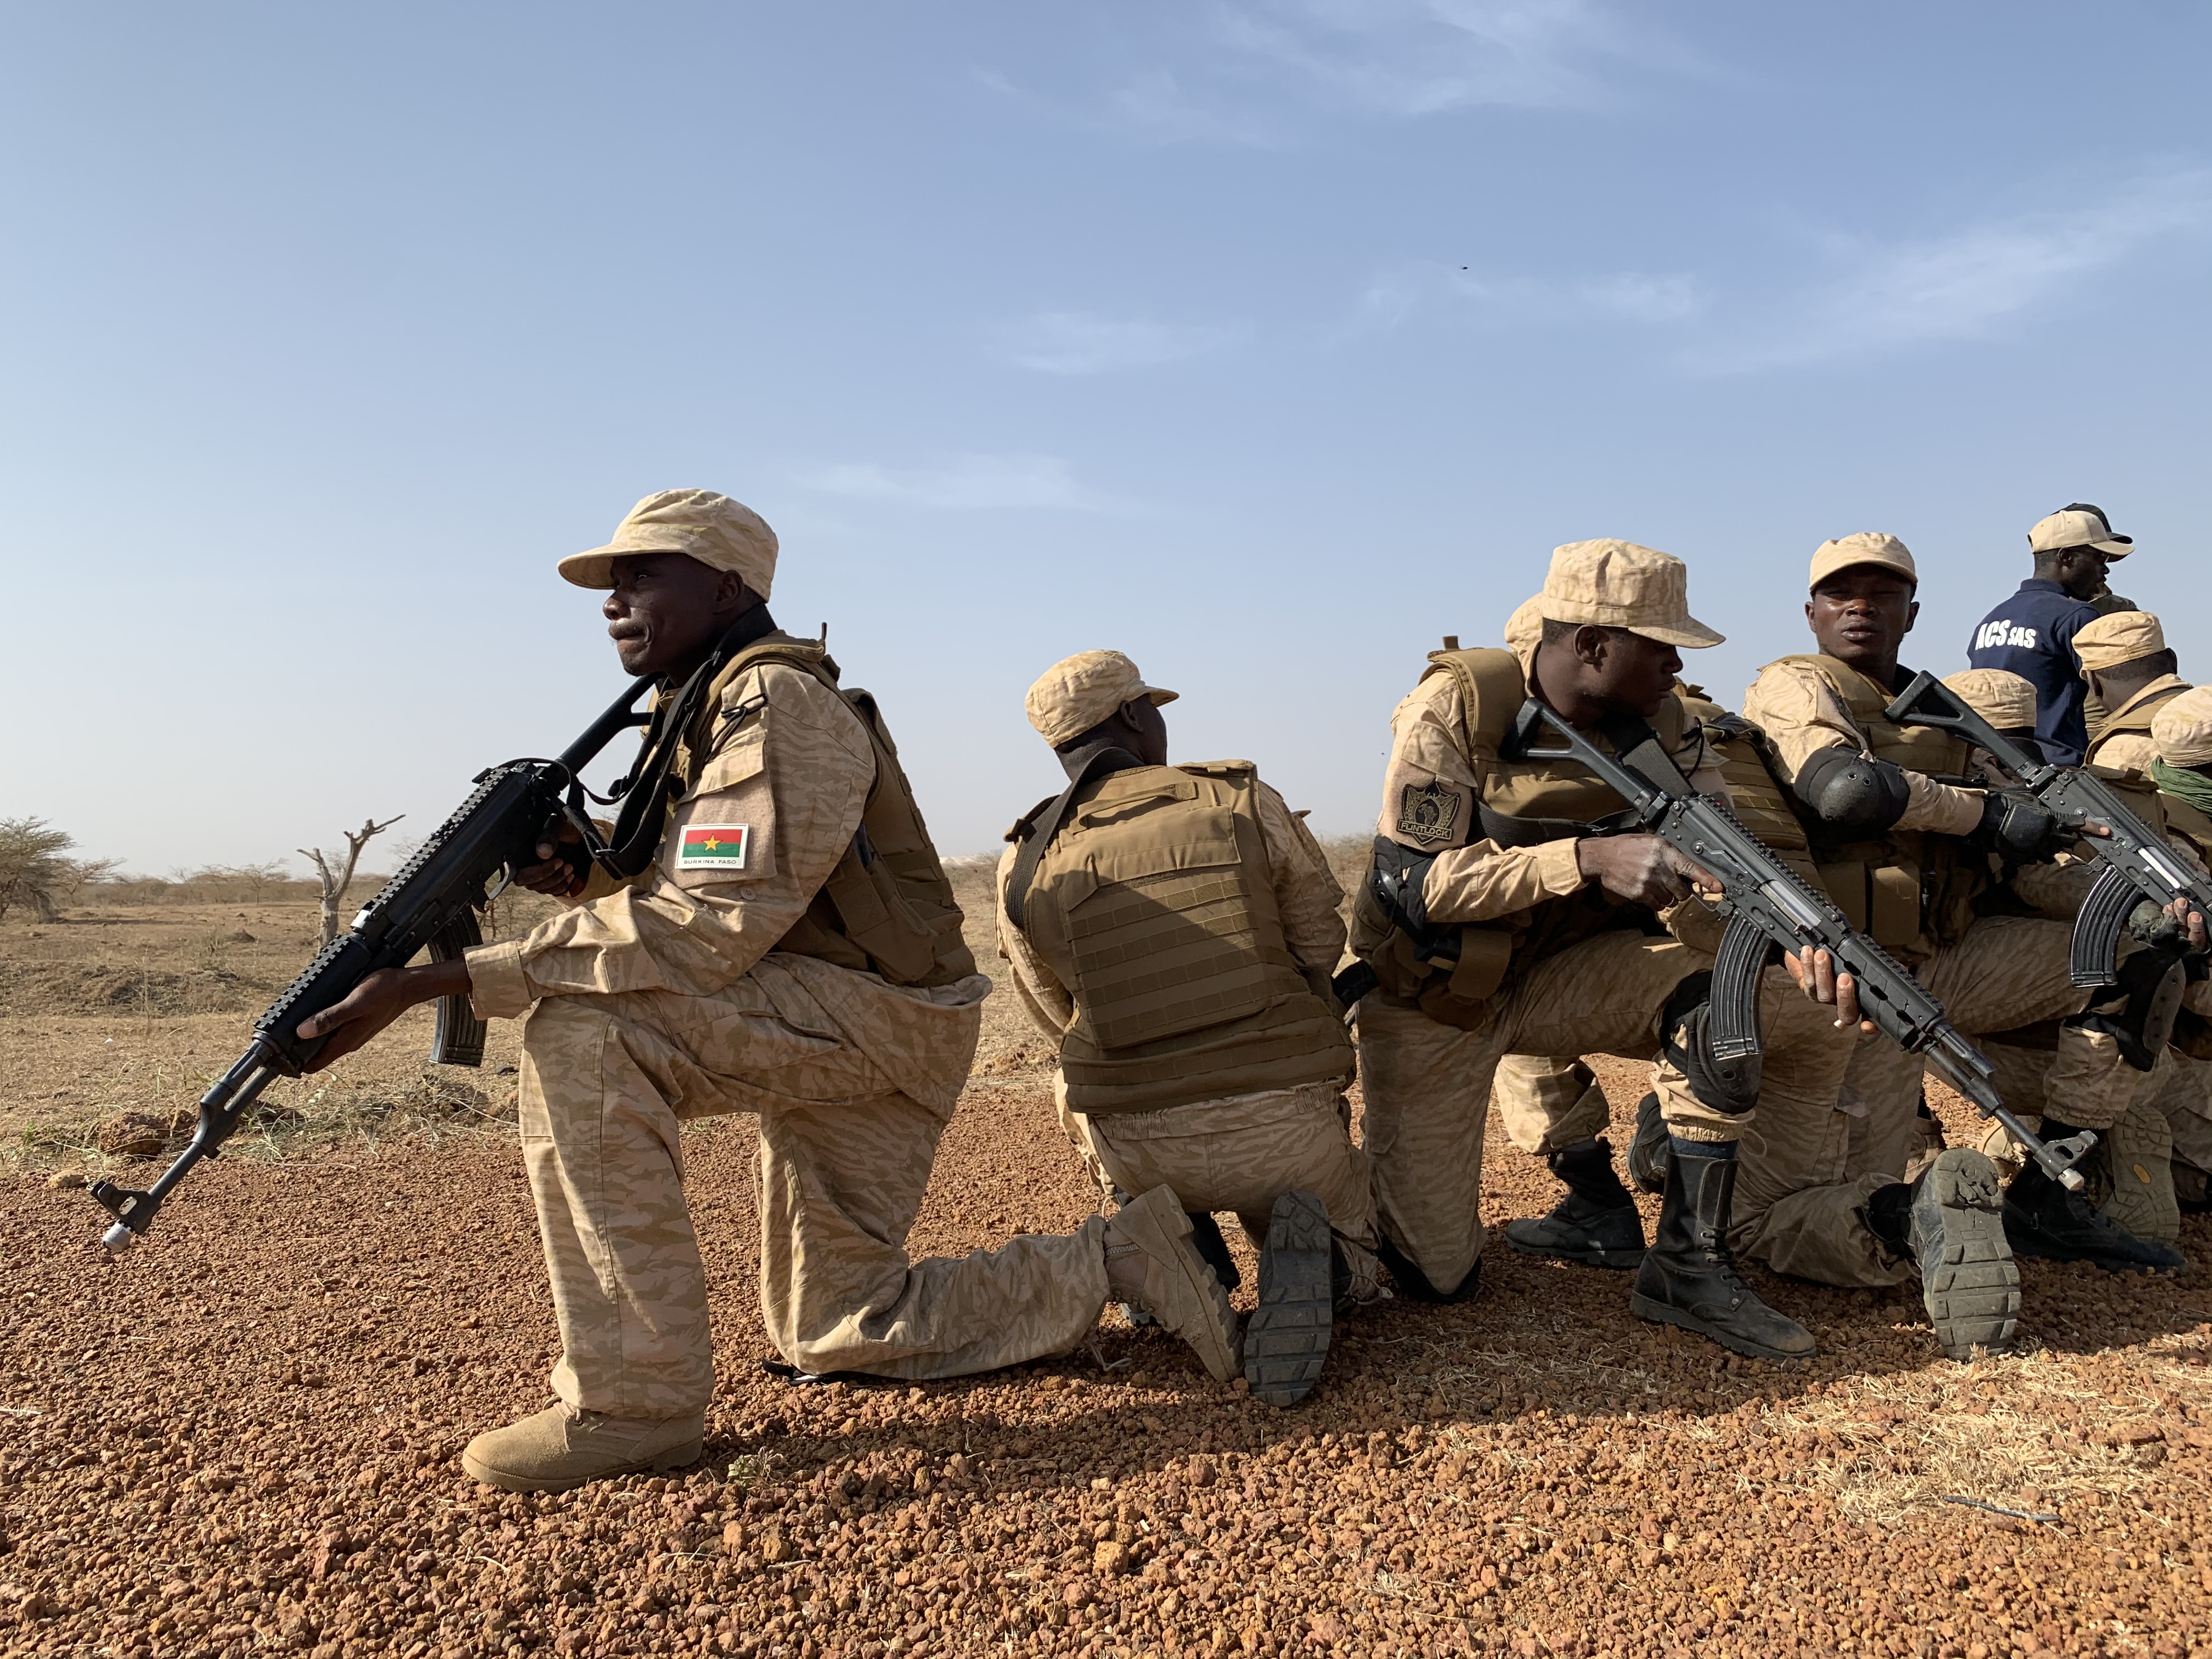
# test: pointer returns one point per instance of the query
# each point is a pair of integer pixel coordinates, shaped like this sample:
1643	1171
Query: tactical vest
1155	906
1912	890
887	908
1524	803
2133	720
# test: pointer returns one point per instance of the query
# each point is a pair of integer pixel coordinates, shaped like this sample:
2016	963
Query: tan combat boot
1151	1261
561	1447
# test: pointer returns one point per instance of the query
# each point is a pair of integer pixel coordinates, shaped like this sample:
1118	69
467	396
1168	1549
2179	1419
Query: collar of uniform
2043	584
2163	684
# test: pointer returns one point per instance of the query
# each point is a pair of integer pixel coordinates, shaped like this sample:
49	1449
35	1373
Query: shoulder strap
1045	825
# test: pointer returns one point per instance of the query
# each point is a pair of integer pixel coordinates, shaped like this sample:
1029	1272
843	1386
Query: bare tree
35	868
334	882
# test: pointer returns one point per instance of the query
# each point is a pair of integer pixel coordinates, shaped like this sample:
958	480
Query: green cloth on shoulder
2184	784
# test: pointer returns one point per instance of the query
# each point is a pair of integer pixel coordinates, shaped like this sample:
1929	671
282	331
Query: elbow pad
2018	828
1850	792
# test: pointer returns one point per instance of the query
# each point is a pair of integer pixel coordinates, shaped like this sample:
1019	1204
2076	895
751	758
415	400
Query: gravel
243	1439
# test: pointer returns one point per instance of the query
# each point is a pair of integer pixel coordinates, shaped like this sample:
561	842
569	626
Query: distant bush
36	870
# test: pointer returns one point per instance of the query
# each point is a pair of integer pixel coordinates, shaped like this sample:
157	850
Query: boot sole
2026	1238
1619	1260
1662	1314
1286	1338
1971	1288
674	1458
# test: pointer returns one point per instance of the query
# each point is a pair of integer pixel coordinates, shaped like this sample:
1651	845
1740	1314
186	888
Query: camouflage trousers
606	1081
1548	1101
1427	1084
1238	1155
1807	1169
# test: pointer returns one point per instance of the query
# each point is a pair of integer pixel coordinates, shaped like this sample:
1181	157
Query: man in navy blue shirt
2031	633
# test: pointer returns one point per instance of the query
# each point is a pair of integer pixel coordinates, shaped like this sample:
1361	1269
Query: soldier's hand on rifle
1642	869
376	1002
555	875
2191	920
1821	983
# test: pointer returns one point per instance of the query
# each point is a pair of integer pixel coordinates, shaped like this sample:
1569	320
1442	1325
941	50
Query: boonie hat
2006	701
2116	637
2182	731
1617	584
2078	525
1524	629
1868	547
720	533
1077	692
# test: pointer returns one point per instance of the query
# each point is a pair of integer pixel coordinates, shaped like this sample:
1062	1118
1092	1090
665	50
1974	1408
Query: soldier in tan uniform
1506	913
2131	672
783	943
1906	855
1173	930
2181	767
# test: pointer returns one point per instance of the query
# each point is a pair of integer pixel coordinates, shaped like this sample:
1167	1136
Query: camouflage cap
1867	547
1077	692
1618	584
2182	732
720	533
2116	637
1524	629
2078	525
2006	701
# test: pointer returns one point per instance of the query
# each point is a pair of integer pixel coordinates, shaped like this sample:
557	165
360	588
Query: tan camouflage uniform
1808	1170
1238	1154
665	1000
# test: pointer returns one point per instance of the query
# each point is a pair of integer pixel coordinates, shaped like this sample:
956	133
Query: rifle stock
432	901
1768	905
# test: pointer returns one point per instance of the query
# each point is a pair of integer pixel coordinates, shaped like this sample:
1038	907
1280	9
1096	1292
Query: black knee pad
2139	1012
1686	1023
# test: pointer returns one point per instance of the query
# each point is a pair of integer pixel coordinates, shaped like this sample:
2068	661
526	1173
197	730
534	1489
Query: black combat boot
1286	1338
2043	1218
1647	1148
1596	1224
1689	1278
1951	1222
1412	1282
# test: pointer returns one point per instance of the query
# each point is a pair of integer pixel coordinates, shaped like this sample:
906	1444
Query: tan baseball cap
1867	547
720	533
1524	629
2005	701
2182	730
2078	525
2116	637
1077	692
1618	584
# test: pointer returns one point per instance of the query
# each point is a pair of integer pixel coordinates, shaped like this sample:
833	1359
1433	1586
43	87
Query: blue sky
1266	341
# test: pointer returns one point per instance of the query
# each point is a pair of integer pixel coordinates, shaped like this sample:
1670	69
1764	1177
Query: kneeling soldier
1173	929
1905	853
1507	913
788	946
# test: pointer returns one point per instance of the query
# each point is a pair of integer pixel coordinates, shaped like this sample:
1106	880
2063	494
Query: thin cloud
1156	107
1079	343
1393	298
1414	57
973	482
1969	284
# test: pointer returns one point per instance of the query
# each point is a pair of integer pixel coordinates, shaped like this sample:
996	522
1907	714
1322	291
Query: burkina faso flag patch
713	846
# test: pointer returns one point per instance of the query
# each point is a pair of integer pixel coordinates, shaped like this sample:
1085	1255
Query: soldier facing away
2132	673
1172	929
1506	913
2031	633
792	948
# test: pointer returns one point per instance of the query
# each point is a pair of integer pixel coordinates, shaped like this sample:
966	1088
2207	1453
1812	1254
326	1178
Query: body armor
1154	904
887	908
1912	892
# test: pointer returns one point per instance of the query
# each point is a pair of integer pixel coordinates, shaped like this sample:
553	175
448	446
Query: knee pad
1686	1025
2138	1013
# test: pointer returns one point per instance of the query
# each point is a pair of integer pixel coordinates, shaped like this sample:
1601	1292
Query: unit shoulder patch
713	846
1427	812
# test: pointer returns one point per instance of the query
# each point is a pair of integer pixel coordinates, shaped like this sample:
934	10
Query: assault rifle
2138	863
432	900
1768	904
